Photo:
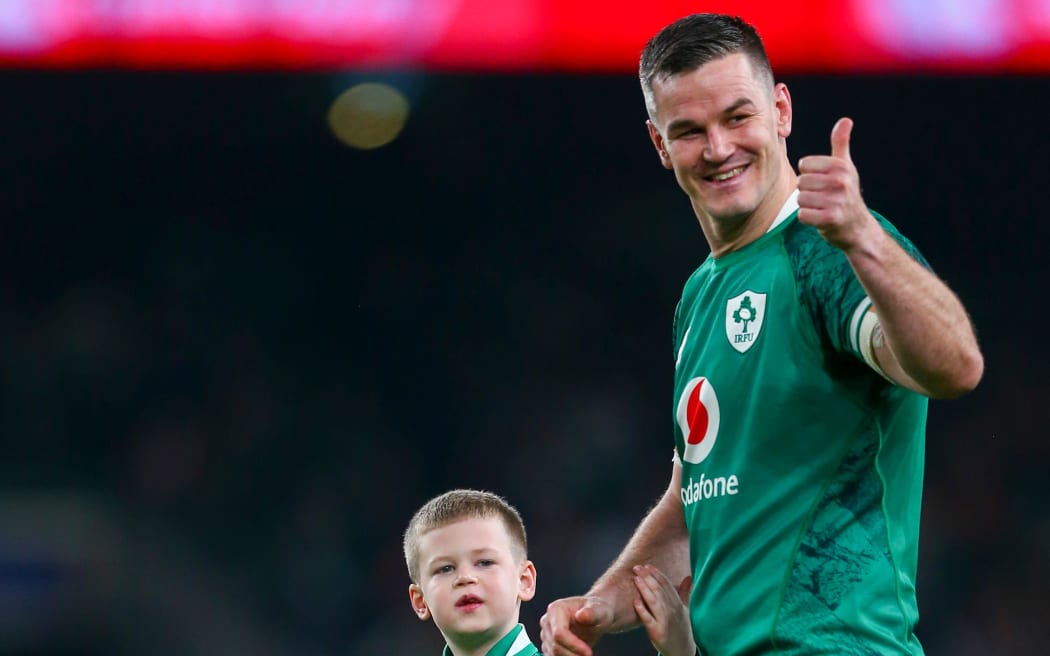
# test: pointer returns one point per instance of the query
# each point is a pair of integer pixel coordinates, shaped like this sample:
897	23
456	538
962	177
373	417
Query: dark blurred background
236	354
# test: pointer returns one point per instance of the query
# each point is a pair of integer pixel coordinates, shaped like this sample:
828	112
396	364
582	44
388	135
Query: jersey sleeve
829	289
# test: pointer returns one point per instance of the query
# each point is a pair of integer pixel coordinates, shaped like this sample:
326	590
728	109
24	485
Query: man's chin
730	216
733	210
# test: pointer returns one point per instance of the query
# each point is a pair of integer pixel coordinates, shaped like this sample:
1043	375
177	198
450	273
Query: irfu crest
745	314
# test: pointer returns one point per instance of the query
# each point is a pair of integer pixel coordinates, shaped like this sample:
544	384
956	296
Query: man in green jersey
806	346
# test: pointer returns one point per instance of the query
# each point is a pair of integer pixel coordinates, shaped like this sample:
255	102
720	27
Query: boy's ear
415	595
527	581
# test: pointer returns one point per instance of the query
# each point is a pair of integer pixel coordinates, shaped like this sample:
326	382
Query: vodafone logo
698	417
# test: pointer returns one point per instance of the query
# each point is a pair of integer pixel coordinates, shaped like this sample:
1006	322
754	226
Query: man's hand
829	194
571	626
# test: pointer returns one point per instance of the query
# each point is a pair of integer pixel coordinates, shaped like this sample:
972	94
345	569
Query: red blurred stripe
484	35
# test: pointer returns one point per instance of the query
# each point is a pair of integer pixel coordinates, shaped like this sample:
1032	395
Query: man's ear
782	102
415	595
527	581
658	143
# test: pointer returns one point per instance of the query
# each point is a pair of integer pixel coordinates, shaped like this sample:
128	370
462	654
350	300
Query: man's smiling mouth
727	175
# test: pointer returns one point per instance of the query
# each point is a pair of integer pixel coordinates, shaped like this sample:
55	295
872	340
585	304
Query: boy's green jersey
515	643
801	466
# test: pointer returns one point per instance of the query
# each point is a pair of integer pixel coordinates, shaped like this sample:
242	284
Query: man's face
722	129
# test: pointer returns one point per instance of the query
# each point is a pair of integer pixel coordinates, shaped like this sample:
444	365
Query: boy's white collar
520	643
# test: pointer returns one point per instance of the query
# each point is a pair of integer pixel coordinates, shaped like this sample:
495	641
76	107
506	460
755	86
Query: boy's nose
465	577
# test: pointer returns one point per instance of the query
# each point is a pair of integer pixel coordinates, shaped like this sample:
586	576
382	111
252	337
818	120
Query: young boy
466	555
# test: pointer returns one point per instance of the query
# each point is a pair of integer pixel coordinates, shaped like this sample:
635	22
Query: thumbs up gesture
829	193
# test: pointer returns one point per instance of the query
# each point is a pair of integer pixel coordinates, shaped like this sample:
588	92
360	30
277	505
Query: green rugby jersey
801	466
515	643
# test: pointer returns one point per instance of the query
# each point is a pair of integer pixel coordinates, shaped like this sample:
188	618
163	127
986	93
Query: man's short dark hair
690	42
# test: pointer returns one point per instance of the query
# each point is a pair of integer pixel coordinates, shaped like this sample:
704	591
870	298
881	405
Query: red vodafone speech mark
696	415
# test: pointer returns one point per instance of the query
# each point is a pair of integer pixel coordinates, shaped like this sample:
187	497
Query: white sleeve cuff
868	324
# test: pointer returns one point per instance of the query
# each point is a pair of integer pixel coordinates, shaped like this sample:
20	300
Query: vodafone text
705	488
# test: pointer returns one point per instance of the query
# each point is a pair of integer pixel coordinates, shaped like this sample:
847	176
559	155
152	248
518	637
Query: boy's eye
486	562
444	569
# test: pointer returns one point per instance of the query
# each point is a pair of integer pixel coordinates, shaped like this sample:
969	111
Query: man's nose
718	147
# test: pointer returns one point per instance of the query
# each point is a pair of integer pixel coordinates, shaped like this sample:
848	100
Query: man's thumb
591	613
840	135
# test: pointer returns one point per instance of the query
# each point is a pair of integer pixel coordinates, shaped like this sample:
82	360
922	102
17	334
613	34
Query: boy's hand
664	611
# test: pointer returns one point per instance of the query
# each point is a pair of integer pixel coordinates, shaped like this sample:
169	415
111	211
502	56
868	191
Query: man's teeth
728	174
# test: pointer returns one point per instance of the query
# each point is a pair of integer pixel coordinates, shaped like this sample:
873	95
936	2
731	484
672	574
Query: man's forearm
925	325
660	540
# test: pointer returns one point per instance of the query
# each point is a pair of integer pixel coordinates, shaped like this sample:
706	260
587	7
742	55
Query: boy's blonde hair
457	505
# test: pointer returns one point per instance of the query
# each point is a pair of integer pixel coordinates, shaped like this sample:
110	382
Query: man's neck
724	237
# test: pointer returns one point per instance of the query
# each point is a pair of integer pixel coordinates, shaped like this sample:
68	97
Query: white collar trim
520	643
790	205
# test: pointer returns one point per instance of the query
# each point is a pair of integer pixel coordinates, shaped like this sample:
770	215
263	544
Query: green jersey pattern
515	643
801	466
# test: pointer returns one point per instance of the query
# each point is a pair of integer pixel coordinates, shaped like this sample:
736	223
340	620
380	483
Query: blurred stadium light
513	35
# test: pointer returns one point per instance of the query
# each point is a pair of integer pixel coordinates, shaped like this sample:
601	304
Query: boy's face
471	582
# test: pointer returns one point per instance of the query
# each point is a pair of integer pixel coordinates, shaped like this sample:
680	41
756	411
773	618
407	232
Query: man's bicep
878	355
